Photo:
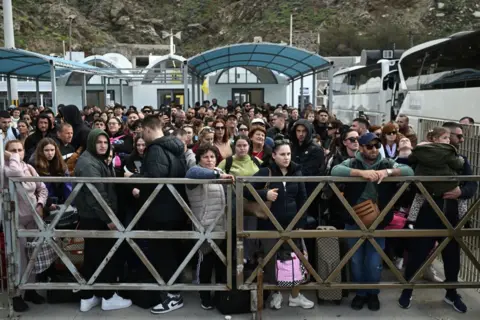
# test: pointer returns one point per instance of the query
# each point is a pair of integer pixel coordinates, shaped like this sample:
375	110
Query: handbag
367	211
45	258
254	208
398	222
73	249
289	269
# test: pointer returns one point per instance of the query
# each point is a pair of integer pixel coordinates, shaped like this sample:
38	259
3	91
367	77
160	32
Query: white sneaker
89	304
276	302
399	263
115	302
430	274
300	301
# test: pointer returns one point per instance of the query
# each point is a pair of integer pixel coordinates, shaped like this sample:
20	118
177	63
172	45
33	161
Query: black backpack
229	162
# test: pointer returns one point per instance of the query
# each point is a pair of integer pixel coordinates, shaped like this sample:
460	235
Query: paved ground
426	305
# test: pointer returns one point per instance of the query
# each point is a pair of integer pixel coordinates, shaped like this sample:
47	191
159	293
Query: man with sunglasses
367	263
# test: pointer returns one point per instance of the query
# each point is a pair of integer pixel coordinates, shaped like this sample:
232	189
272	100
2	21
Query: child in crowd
436	157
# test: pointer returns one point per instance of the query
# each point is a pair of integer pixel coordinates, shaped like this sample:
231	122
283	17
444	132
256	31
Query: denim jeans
366	263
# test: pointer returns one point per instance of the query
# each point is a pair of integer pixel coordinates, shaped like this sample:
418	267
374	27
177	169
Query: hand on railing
272	194
227	176
136	193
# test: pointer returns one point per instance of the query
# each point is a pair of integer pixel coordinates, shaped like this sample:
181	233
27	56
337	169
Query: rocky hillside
345	26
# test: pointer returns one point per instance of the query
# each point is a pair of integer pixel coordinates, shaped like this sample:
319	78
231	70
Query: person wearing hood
70	114
366	263
164	158
44	129
92	164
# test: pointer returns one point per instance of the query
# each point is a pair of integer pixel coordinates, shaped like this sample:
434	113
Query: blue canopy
290	61
23	63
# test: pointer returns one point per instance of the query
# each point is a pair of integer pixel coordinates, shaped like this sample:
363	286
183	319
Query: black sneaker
206	305
170	304
19	305
405	300
34	297
455	300
373	302
358	302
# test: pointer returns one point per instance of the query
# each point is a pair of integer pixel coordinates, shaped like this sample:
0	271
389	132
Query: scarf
391	151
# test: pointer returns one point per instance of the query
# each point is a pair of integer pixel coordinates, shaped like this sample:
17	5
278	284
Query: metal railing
201	234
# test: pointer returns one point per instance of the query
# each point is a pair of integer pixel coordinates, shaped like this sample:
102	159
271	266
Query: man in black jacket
164	158
279	125
73	116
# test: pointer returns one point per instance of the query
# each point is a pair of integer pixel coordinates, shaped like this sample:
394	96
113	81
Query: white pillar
292	98
193	90
84	90
9	90
9	42
121	92
105	90
37	91
330	90
53	80
314	90
302	102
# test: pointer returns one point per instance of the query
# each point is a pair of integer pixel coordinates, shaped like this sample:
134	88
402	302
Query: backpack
229	162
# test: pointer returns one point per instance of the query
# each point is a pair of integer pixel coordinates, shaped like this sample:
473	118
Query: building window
251	75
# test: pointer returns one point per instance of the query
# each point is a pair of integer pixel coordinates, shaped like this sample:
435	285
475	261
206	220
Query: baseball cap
367	138
258	121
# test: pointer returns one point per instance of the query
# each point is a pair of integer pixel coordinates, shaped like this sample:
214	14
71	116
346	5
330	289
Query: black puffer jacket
291	197
72	115
164	158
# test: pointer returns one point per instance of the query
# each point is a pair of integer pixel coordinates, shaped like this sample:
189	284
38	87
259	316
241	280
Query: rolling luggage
328	258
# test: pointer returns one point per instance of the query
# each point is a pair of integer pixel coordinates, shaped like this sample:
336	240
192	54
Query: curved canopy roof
23	63
290	61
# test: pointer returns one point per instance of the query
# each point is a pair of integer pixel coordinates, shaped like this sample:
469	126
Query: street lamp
70	21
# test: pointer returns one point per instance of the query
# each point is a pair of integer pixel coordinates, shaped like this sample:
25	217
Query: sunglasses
377	146
391	133
219	128
459	136
147	111
352	140
243	129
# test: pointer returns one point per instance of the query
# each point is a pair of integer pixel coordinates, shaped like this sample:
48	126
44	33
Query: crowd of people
209	141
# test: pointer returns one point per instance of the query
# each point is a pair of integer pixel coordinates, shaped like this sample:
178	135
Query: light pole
9	42
70	20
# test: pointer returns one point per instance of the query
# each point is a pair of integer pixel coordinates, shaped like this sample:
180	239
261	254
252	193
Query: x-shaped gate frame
47	233
363	234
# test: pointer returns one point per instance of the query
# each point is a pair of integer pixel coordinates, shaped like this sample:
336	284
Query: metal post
330	90
9	42
70	39
185	85
105	90
202	93
84	90
9	89
199	80
193	90
293	93
314	90
53	80
121	92
302	102
37	91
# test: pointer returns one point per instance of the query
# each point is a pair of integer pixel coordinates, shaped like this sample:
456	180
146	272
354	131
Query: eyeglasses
459	136
147	111
352	140
377	146
219	128
391	133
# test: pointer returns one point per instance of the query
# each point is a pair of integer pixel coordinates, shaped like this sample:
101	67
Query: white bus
440	79
359	89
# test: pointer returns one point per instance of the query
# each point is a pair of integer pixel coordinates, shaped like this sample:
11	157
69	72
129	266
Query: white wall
28	86
273	93
73	94
307	84
146	95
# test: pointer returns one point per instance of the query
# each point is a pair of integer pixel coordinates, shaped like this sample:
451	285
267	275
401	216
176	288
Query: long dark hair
55	167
